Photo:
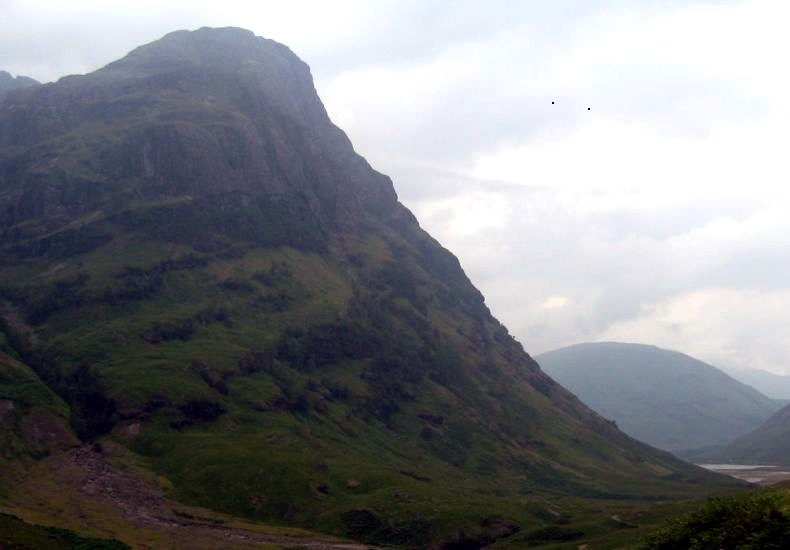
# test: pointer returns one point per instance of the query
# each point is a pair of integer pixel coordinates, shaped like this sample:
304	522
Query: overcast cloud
661	215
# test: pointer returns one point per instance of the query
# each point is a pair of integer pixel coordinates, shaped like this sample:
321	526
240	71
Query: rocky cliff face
8	82
206	271
198	115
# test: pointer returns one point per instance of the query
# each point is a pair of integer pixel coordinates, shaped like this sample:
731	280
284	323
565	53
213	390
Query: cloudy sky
660	215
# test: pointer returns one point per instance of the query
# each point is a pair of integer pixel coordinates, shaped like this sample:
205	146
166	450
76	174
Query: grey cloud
619	268
610	267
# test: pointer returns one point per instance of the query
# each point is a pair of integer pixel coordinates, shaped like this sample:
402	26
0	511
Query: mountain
664	398
8	82
773	385
235	310
768	445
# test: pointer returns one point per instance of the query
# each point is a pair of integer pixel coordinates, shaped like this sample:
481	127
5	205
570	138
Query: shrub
167	331
553	533
130	286
275	275
202	410
275	302
256	361
64	244
401	280
137	283
213	314
318	346
335	391
753	522
42	302
212	379
92	412
236	285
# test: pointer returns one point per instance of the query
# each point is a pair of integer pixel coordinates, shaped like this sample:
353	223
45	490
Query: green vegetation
15	534
19	384
348	400
760	521
33	419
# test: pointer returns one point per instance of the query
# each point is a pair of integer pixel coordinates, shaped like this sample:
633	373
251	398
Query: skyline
658	216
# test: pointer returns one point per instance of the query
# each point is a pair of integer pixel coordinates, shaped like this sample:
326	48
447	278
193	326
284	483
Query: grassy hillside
33	419
247	412
661	397
15	534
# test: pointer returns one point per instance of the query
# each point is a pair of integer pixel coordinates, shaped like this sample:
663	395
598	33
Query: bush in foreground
758	521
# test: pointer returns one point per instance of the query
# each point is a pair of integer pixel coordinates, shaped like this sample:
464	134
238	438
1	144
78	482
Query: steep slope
767	445
8	82
196	259
773	385
33	420
661	397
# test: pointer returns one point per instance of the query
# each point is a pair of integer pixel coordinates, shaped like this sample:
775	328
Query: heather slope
199	263
661	397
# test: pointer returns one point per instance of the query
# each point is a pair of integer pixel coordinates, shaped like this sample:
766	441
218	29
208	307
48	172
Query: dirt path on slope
98	492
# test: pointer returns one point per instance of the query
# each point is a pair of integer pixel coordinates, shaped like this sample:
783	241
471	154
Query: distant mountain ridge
775	386
8	82
661	397
768	445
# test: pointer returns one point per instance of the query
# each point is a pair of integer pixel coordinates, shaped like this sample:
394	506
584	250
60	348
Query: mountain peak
239	112
226	48
8	82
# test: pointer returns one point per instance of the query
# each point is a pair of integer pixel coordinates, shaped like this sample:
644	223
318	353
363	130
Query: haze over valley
661	397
